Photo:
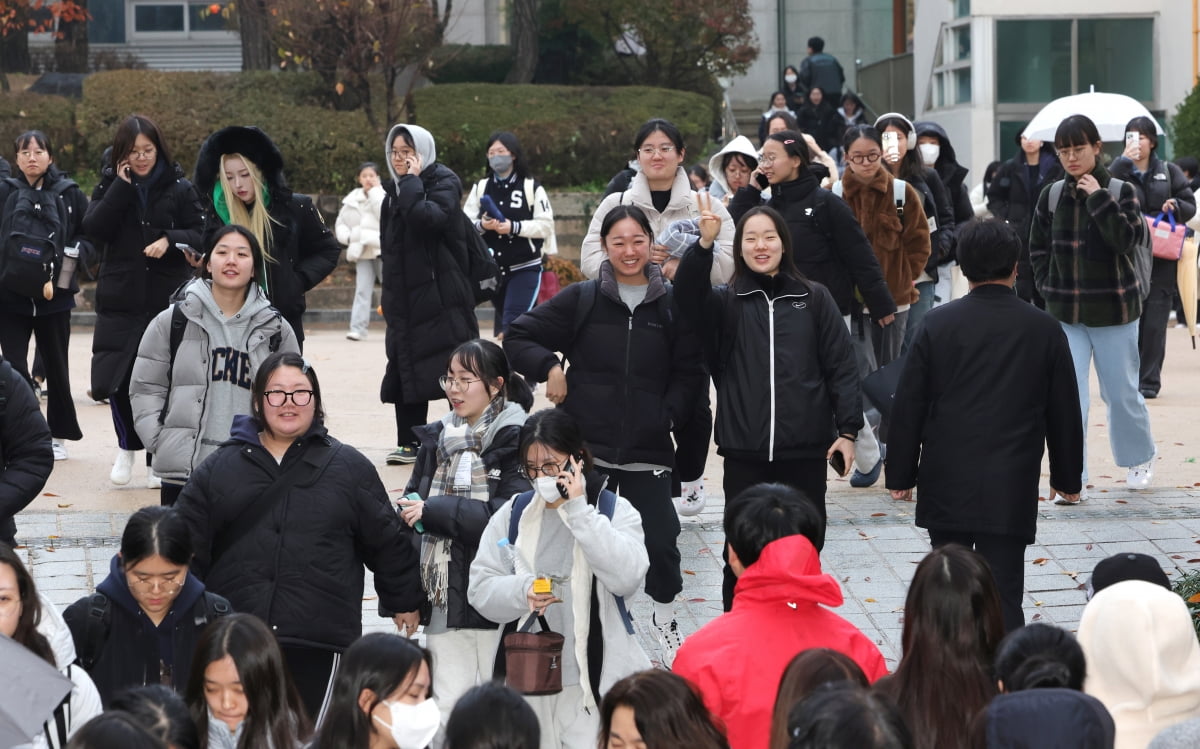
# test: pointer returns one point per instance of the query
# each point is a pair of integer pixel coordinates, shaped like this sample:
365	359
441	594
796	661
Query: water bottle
70	261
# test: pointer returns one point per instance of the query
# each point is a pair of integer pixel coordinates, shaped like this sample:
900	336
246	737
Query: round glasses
864	158
142	155
146	584
449	383
531	472
277	398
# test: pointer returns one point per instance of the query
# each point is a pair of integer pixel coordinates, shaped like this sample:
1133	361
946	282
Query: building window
952	64
962	8
1038	61
175	18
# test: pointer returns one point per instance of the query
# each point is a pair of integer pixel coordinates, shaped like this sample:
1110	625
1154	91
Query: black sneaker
402	455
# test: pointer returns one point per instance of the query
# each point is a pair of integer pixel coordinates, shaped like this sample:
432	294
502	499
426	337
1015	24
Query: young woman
564	537
635	371
820	119
239	172
701	180
1013	194
791	88
357	227
466	468
285	518
161	711
188	385
47	320
115	728
952	626
141	625
1161	188
1039	656
522	235
778	105
899	236
239	691
787	384
656	710
849	717
904	161
491	716
382	697
427	300
809	671
33	623
152	221
731	168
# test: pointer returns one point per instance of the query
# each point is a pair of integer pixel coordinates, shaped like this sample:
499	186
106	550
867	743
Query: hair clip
789	141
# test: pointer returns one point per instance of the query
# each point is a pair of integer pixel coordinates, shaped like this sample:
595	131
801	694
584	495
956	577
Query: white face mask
789	78
929	153
547	488
413	726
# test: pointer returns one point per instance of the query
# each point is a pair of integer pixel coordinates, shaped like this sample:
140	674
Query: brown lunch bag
533	660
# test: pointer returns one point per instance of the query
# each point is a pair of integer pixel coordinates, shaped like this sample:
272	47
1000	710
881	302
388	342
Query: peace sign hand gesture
709	222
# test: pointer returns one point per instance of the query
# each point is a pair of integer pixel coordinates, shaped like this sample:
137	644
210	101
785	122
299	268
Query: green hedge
572	135
53	115
471	63
321	148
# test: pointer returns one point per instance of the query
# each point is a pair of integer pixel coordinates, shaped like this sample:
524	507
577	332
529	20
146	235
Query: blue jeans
365	274
917	310
1115	350
517	294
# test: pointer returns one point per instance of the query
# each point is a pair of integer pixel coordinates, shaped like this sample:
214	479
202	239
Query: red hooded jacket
779	603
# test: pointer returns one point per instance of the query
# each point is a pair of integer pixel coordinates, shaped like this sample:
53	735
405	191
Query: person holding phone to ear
788	396
565	538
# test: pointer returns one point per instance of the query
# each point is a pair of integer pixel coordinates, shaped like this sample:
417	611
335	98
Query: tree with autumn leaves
19	18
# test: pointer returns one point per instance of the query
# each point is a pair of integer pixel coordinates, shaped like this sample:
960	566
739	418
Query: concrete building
984	68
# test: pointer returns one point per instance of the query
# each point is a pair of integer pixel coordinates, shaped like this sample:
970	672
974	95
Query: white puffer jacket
357	224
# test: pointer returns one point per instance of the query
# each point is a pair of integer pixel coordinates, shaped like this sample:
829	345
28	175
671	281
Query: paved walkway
71	532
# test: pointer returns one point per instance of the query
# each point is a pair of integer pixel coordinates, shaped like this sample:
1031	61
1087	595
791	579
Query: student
142	623
657	710
623	328
848	717
563	536
467	467
1013	194
784	599
382	697
239	172
952	626
1086	243
239	692
787	384
112	729
810	670
162	712
1039	656
357	227
521	236
492	716
189	383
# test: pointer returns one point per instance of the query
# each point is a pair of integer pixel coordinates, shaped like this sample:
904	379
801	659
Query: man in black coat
26	457
988	384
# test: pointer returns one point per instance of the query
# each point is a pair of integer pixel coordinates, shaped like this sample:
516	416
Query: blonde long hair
257	219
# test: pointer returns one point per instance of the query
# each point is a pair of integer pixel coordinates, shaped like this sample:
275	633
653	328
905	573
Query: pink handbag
1166	235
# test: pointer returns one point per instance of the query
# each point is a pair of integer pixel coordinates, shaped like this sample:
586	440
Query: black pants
650	494
168	493
52	333
296	320
692	440
1005	555
806	474
312	671
409	415
1152	330
122	415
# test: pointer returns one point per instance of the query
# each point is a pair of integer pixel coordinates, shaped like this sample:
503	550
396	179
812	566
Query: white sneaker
669	639
1140	476
153	481
356	336
693	500
60	450
122	470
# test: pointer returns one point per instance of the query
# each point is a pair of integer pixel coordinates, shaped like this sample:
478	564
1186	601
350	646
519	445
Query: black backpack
34	232
207	608
482	271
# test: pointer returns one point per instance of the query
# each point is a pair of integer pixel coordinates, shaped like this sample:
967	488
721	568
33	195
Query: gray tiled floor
872	548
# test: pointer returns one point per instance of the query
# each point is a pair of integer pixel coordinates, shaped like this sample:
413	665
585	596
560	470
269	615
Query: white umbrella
1110	112
29	692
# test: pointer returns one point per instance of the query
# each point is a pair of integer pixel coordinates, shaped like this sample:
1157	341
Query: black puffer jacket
130	648
632	376
787	382
300	568
25	453
1161	181
427	299
76	204
133	288
827	241
304	249
1012	198
462	519
952	173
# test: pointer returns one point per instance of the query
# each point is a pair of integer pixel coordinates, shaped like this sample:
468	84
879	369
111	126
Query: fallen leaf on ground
1089	546
64	506
1071	574
1193	561
878	514
1035	617
1177	556
1040	561
869	600
49	494
688	572
1194	599
1042	499
1037	603
704	550
697	600
1120	501
865	536
370	598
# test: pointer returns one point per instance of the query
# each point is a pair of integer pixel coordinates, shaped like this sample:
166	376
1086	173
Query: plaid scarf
460	473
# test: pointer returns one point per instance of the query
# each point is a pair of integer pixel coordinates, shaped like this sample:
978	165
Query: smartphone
1133	144
838	461
562	490
891	145
761	179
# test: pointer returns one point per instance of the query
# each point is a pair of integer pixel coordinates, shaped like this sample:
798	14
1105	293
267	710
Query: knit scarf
460	473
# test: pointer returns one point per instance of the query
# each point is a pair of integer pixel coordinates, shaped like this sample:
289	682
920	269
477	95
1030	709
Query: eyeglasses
864	158
449	383
142	155
551	468
167	585
278	397
401	154
1072	154
767	160
32	154
651	150
737	170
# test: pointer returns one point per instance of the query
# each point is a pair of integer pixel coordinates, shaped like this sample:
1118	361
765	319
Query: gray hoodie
422	141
